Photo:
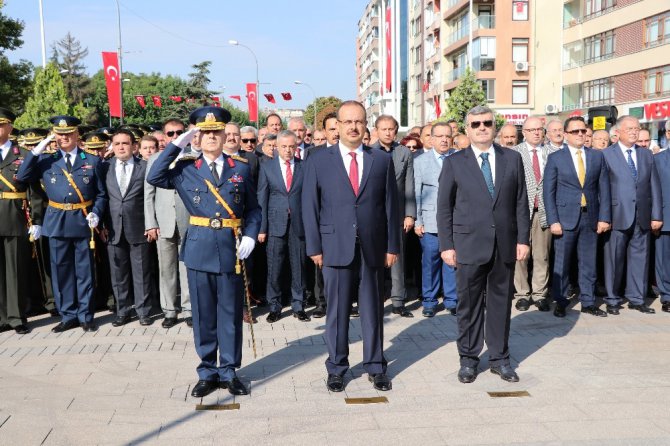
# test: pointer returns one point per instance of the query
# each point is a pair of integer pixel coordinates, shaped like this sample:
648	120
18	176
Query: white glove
245	247
185	138
39	148
92	220
35	231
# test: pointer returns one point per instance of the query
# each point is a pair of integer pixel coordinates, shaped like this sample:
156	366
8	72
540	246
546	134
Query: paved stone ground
592	381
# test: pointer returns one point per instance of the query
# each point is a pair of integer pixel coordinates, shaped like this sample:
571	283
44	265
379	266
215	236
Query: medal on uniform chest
196	199
53	180
237	198
86	180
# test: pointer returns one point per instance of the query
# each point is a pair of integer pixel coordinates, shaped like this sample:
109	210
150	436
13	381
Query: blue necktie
631	164
486	170
442	157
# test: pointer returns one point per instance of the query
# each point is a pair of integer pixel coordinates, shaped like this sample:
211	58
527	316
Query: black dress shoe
335	383
506	373
120	320
642	308
452	311
204	388
21	329
542	305
234	386
522	304
189	321
467	374
319	312
274	316
380	381
354	312
665	307
428	312
89	326
402	311
64	326
5	327
612	309
146	320
559	310
594	311
301	315
169	322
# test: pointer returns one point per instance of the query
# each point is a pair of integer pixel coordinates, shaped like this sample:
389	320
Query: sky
310	41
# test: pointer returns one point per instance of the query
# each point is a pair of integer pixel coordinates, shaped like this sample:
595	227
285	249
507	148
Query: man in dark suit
279	196
578	208
13	234
299	129
350	213
662	243
637	208
483	227
128	247
403	164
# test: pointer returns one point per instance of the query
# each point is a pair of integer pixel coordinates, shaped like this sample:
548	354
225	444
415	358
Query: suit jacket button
354	225
493	226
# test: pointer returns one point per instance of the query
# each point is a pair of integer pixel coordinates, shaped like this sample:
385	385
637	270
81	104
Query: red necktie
297	153
353	172
289	176
536	171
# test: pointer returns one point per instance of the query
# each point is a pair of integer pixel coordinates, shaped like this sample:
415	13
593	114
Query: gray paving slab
591	381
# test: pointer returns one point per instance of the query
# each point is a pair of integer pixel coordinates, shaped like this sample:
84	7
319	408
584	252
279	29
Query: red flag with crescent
389	66
252	102
140	100
286	96
110	63
236	97
157	101
270	97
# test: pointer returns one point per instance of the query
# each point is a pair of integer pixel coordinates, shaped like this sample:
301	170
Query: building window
598	92
519	92
519	50
657	30
489	87
520	10
484	54
657	82
594	8
599	47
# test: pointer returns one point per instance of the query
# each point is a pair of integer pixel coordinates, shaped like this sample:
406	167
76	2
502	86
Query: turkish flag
252	102
157	101
438	109
176	98
216	99
425	87
110	63
286	96
270	98
236	97
387	21
140	100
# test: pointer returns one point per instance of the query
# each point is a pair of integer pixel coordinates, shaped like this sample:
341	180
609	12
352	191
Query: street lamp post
258	85
44	46
118	14
314	93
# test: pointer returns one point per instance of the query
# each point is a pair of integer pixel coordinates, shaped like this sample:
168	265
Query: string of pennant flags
157	100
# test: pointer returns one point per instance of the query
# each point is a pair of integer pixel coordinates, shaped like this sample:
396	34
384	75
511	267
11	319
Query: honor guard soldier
15	224
77	199
225	219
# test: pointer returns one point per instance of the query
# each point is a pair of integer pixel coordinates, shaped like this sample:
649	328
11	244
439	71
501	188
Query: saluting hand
41	147
185	138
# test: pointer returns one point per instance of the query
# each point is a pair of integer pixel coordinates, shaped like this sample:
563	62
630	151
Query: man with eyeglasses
600	139
166	221
299	129
308	136
350	216
577	198
319	137
532	285
637	210
483	227
248	139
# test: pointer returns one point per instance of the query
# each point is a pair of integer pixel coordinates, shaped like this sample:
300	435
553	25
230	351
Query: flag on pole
286	96
270	98
236	97
110	62
252	101
140	100
157	101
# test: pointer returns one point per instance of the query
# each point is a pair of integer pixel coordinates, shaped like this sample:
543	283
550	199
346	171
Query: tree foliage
69	55
15	78
48	98
324	105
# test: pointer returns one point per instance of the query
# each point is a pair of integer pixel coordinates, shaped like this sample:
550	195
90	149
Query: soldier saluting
77	199
218	193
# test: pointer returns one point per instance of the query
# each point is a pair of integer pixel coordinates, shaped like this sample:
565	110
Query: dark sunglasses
308	134
577	132
476	124
248	140
171	133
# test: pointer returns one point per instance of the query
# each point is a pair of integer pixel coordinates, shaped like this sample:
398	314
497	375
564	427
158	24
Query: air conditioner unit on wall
521	66
551	109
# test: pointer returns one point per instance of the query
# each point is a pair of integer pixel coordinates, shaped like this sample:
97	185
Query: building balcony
456	74
484	22
457	35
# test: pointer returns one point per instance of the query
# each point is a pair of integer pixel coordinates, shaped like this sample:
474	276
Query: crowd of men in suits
344	213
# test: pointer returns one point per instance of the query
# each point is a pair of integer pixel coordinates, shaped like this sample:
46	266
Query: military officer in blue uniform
218	193
77	199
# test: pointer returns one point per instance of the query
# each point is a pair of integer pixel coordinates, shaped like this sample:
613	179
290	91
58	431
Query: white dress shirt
4	149
218	162
282	166
575	162
539	156
346	159
129	170
633	154
73	154
300	150
492	160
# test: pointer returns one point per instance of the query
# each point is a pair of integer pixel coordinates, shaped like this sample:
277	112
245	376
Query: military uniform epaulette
50	151
239	158
186	157
91	152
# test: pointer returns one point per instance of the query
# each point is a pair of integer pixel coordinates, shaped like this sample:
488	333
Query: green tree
69	54
324	105
15	77
467	94
48	98
198	82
